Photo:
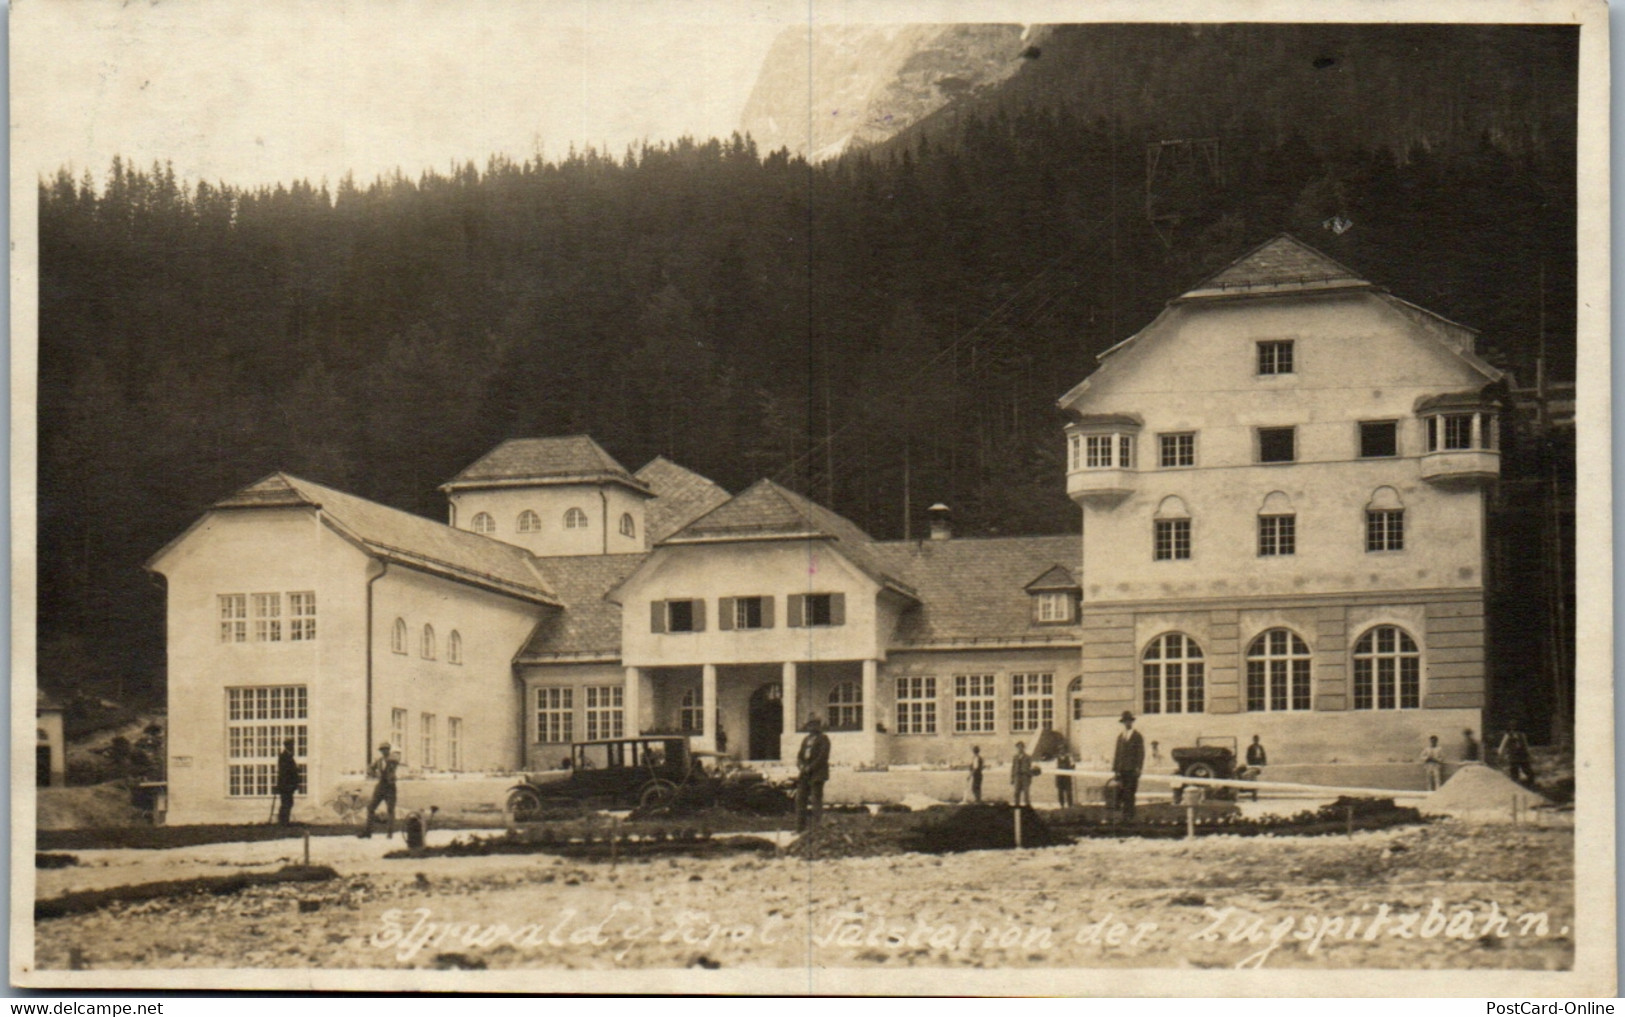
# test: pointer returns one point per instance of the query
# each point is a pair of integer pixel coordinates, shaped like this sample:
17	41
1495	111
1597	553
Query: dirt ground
1446	895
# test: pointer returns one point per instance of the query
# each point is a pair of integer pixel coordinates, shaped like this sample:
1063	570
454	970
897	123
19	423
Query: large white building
1282	483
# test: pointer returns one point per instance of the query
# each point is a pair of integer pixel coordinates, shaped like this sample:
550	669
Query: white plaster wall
260	551
748	569
550	502
1195	370
482	690
575	676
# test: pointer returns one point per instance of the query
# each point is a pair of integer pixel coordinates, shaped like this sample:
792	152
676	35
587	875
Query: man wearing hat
1127	762
812	770
383	768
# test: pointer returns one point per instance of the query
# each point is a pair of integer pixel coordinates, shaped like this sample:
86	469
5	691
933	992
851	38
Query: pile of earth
1481	793
981	828
98	805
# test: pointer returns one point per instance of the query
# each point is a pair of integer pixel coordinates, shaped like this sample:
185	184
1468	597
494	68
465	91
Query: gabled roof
1281	265
680	497
588	625
767	511
972	589
575	459
1057	578
402	537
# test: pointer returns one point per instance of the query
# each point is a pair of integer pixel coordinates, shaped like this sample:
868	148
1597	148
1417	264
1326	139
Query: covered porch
760	711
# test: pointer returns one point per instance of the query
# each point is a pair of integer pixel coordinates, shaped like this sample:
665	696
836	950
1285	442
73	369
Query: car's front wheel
657	796
524	805
1201	771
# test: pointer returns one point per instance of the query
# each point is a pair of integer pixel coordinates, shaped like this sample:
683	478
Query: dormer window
1053	606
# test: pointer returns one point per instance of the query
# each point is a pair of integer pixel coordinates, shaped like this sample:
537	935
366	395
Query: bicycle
350	805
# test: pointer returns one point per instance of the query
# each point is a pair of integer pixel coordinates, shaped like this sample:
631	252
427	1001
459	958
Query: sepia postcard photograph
1025	498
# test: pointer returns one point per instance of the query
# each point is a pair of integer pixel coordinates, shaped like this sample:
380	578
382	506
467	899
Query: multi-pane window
1460	431
1171	539
973	703
397	731
846	707
819	609
426	723
1176	450
1054	606
748	613
428	645
575	519
483	523
916	708
454	743
555	715
301	617
605	717
1074	446
267	617
454	647
1378	439
234	617
1277	444
1278	672
629	528
529	522
258	721
1173	676
1277	535
1385	530
1387	670
397	636
1106	451
691	712
1032	702
1275	357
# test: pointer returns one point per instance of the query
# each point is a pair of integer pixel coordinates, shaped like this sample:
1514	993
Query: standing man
1256	756
287	781
976	766
1127	762
1433	759
383	769
1514	751
1021	776
1063	780
1469	746
812	770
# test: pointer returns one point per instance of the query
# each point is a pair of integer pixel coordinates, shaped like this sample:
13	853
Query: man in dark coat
812	770
1256	756
1021	776
976	768
1127	762
383	793
287	781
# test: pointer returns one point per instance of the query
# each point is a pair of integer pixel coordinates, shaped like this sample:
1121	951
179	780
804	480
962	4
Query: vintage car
650	775
1210	759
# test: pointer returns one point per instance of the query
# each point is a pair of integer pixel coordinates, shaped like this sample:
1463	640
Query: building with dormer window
1284	483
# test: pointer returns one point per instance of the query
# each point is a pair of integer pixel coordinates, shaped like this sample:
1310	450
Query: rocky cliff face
825	89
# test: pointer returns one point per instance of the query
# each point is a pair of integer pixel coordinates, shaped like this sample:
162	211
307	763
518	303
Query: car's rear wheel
657	796
1201	771
524	805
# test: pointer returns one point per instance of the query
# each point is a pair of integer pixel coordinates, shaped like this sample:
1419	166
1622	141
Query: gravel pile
1480	793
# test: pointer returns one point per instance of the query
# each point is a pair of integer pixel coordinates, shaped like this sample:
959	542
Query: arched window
1278	672
1172	676
397	637
529	522
483	523
454	647
691	714
846	707
1387	670
1074	695
575	519
428	642
629	528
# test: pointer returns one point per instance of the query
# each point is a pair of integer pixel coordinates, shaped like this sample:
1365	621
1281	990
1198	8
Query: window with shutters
812	610
555	715
915	711
745	612
677	616
973	703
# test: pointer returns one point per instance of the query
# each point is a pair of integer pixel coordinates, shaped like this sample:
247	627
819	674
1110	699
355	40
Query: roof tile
576	458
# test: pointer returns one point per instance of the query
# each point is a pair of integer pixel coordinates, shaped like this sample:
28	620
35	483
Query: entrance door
766	720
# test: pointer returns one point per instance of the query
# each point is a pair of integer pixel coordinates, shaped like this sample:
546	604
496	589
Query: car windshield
599	757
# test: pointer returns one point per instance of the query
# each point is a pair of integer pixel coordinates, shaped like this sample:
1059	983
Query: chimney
941	527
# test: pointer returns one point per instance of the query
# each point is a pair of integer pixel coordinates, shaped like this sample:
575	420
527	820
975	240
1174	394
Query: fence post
1190	821
1348	820
1018	825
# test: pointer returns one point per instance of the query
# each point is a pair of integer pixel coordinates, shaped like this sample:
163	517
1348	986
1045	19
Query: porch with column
806	692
